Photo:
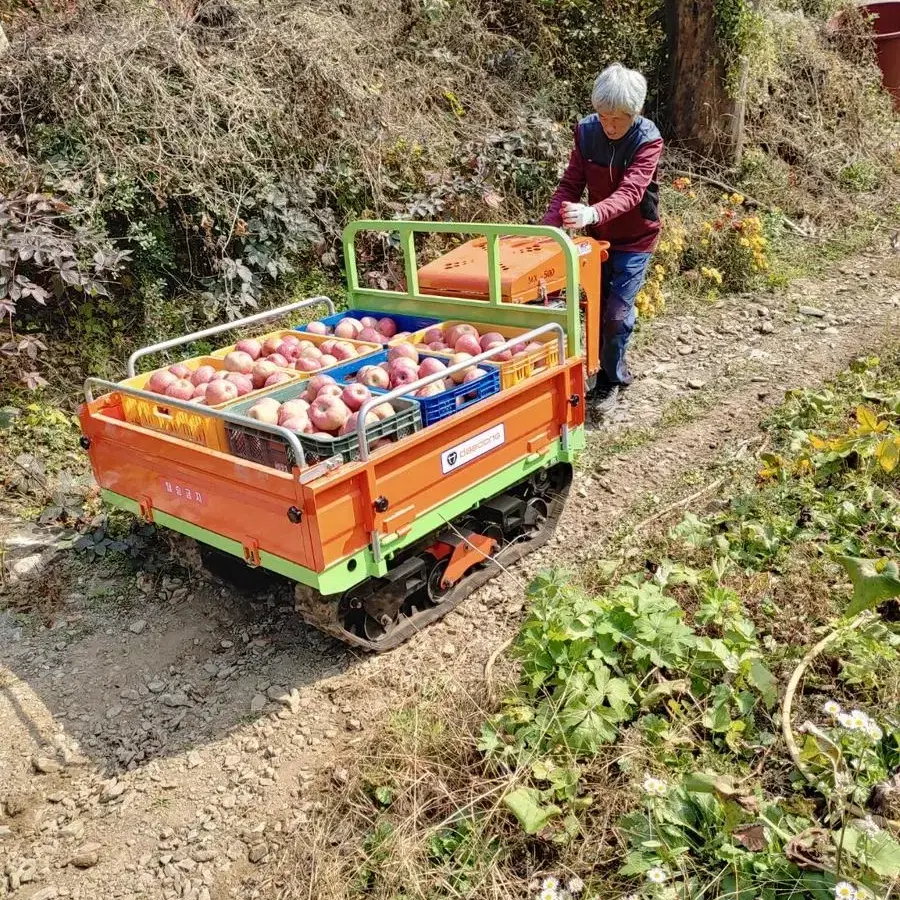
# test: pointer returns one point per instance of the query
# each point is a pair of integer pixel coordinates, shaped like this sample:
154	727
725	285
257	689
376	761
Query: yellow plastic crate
513	371
194	427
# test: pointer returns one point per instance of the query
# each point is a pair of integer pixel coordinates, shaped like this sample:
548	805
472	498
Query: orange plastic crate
513	371
197	428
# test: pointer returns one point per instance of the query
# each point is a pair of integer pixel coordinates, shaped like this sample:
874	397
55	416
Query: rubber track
323	615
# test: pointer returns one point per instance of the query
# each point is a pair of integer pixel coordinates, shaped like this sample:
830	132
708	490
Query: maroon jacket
620	177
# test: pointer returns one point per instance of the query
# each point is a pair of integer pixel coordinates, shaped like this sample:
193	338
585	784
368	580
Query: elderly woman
615	156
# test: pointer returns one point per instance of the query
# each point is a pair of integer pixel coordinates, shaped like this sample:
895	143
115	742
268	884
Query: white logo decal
472	448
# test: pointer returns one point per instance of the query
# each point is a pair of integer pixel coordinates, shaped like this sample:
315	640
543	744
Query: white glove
578	215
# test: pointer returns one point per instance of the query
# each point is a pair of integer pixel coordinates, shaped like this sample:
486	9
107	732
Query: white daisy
845	720
832	708
657	875
843	890
654	787
548	894
868	826
575	885
873	731
550	884
859	721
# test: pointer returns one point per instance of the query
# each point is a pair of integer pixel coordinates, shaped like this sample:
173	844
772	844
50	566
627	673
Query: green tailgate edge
351	570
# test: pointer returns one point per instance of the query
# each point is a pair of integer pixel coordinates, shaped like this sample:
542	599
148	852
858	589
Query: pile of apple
404	365
207	385
466	339
325	410
289	352
368	328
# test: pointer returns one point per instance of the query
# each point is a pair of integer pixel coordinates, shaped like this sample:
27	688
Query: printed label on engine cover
472	448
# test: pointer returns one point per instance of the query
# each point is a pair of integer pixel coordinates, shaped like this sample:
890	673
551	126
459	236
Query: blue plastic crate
462	396
449	401
404	323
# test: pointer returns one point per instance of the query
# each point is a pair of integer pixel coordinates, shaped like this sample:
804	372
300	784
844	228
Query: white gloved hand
578	215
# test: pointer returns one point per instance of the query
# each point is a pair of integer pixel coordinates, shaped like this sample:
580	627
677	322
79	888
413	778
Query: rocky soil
162	735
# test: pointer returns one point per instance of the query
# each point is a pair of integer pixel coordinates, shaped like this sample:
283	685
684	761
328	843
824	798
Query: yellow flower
704	243
744	242
736	199
711	274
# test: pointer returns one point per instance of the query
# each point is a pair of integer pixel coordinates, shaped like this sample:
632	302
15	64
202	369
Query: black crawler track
328	614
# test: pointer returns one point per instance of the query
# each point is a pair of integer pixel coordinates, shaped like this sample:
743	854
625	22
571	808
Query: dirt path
160	739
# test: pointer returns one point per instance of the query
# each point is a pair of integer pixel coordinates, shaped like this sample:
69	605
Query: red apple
180	370
308	364
202	375
350	425
468	343
437	345
180	389
369	322
397	351
387	326
250	346
277	378
327	346
330	390
455	360
317	382
354	395
434	334
473	374
270	345
455	332
308	348
265	410
403	375
373	376
383	411
430	390
262	371
238	361
371	335
221	375
328	413
200	391
297	423
343	351
491	337
504	356
348	328
293	408
290	350
317	328
243	383
325	361
160	381
279	360
429	366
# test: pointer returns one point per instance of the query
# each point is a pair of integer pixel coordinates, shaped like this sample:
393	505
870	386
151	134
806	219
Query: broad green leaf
874	581
710	783
533	815
763	680
880	853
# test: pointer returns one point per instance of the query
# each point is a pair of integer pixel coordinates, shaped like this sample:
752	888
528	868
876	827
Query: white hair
618	89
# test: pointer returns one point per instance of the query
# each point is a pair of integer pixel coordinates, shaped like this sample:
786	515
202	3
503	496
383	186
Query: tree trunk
703	118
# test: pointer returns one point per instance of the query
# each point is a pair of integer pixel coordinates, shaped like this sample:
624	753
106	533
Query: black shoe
603	399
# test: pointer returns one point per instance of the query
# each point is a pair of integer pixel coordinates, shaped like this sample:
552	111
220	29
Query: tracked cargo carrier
444	473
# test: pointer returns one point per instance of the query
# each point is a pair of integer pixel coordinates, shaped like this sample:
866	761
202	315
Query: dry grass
208	106
422	815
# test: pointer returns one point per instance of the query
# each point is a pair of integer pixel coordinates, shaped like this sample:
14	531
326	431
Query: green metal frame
355	568
494	310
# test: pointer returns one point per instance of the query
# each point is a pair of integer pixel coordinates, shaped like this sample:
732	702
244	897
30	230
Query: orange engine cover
530	269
